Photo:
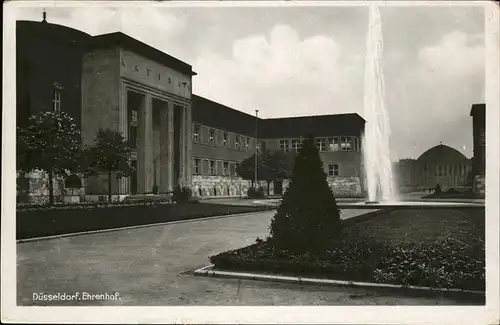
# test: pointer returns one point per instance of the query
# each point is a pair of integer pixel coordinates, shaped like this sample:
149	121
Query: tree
308	217
277	166
109	154
271	166
51	142
246	169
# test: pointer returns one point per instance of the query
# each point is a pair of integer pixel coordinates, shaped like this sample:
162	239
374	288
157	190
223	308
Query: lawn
40	222
419	247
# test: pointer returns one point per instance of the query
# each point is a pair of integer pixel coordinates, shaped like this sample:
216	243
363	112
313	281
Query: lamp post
256	145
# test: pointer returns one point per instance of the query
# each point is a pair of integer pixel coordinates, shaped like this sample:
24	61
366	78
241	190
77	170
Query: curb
364	216
209	271
26	240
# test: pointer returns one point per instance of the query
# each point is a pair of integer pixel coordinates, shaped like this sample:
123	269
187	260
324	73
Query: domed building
441	165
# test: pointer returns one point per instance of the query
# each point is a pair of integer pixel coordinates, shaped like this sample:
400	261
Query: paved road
148	266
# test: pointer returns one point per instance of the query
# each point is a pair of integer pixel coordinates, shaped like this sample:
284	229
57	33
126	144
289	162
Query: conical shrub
308	218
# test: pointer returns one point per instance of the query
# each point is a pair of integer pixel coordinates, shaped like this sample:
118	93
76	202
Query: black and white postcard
250	162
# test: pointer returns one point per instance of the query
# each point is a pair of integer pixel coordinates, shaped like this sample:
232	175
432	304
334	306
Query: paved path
148	266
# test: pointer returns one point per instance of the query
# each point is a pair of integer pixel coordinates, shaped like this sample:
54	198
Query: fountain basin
410	205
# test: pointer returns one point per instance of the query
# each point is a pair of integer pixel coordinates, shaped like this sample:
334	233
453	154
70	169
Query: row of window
222	138
324	144
228	168
213	167
448	170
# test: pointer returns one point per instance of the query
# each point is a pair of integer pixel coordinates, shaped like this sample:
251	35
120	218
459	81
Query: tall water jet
376	152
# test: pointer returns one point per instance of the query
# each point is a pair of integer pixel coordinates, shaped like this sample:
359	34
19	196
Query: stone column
164	148
189	145
144	152
149	146
182	145
141	134
124	181
170	145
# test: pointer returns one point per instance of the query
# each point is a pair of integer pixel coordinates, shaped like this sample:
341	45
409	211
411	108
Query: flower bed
39	222
407	248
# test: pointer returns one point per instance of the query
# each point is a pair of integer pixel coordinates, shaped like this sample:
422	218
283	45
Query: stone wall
203	186
37	185
348	186
342	186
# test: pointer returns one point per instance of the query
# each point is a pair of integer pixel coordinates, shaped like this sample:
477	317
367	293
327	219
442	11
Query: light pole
256	145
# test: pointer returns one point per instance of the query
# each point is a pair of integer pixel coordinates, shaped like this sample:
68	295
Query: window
220	167
237	142
211	136
196	133
132	137
321	144
197	166
284	145
333	170
225	169
355	144
334	144
213	168
359	144
247	144
56	99
224	139
346	144
296	144
132	131
482	137
232	169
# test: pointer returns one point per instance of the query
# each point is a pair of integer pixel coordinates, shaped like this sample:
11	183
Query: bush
255	193
73	181
23	197
442	265
181	194
308	218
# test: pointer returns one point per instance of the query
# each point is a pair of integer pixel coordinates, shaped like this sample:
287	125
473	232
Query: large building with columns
116	82
145	95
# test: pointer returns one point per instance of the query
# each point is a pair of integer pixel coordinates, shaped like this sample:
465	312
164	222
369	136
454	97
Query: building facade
115	82
223	137
145	95
441	165
478	113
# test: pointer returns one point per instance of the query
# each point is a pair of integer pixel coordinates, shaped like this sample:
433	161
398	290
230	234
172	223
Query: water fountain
376	152
380	181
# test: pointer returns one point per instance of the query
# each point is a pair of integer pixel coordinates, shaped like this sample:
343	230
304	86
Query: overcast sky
310	60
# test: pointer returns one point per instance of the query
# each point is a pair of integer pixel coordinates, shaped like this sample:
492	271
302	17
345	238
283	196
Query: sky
296	61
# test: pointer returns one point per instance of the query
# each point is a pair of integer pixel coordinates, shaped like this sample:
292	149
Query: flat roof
216	115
